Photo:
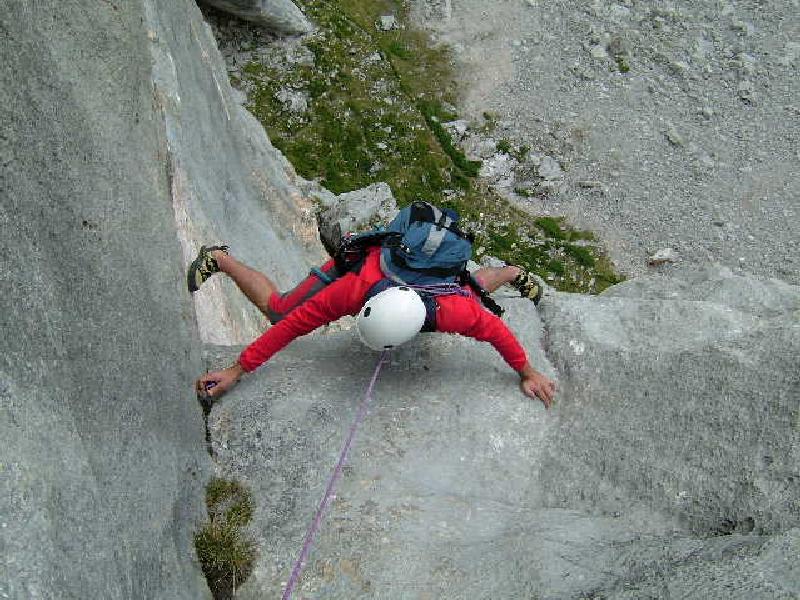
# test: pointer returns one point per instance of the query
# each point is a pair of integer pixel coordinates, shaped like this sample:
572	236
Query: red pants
281	305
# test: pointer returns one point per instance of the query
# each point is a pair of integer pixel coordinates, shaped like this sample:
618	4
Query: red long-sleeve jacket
464	315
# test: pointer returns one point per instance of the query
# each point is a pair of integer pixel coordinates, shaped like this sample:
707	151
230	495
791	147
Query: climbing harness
329	495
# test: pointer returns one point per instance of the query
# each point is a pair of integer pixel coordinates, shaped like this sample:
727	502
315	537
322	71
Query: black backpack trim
467	278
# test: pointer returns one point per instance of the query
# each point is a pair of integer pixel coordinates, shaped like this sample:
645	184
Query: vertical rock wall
102	471
229	184
118	120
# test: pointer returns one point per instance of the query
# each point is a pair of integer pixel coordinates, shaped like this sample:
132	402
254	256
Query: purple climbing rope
440	289
328	496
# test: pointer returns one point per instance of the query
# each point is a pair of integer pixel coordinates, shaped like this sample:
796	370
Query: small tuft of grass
503	146
430	111
522	152
398	49
525	192
225	552
556	267
490	121
581	254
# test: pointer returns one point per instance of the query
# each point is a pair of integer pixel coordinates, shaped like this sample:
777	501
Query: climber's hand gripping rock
535	385
216	383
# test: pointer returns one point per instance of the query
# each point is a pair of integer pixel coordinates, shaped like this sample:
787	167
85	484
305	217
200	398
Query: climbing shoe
529	286
203	267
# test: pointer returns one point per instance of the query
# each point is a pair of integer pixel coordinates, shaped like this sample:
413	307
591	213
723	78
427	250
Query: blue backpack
422	247
427	247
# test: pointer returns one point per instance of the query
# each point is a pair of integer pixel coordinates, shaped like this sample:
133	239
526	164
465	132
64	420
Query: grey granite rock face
280	16
683	391
228	183
682	394
441	461
123	150
668	467
102	445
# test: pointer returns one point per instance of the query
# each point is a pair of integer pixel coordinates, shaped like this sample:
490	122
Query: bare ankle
220	257
513	272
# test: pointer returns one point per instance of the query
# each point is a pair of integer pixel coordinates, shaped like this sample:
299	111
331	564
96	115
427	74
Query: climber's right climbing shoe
529	286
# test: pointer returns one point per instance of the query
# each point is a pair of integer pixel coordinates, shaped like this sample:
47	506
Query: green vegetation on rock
225	552
377	105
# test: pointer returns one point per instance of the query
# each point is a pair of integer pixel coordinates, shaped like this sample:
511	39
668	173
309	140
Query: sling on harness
423	248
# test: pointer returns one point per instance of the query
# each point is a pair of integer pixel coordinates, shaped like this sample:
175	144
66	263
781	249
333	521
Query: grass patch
503	146
225	552
377	104
551	227
556	266
430	111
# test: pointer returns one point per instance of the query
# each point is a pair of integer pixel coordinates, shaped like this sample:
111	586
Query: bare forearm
237	370
527	371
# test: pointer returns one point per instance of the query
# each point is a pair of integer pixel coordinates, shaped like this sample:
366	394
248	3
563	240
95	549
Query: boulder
663	256
679	393
361	209
279	16
387	23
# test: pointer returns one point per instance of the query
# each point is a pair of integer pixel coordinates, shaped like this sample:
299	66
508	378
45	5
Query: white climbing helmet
391	318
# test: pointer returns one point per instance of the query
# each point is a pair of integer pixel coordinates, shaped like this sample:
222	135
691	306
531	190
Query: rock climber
315	302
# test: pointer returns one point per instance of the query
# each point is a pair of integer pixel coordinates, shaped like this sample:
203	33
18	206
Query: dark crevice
205	404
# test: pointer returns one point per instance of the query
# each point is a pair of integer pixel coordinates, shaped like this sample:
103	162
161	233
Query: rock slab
667	468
